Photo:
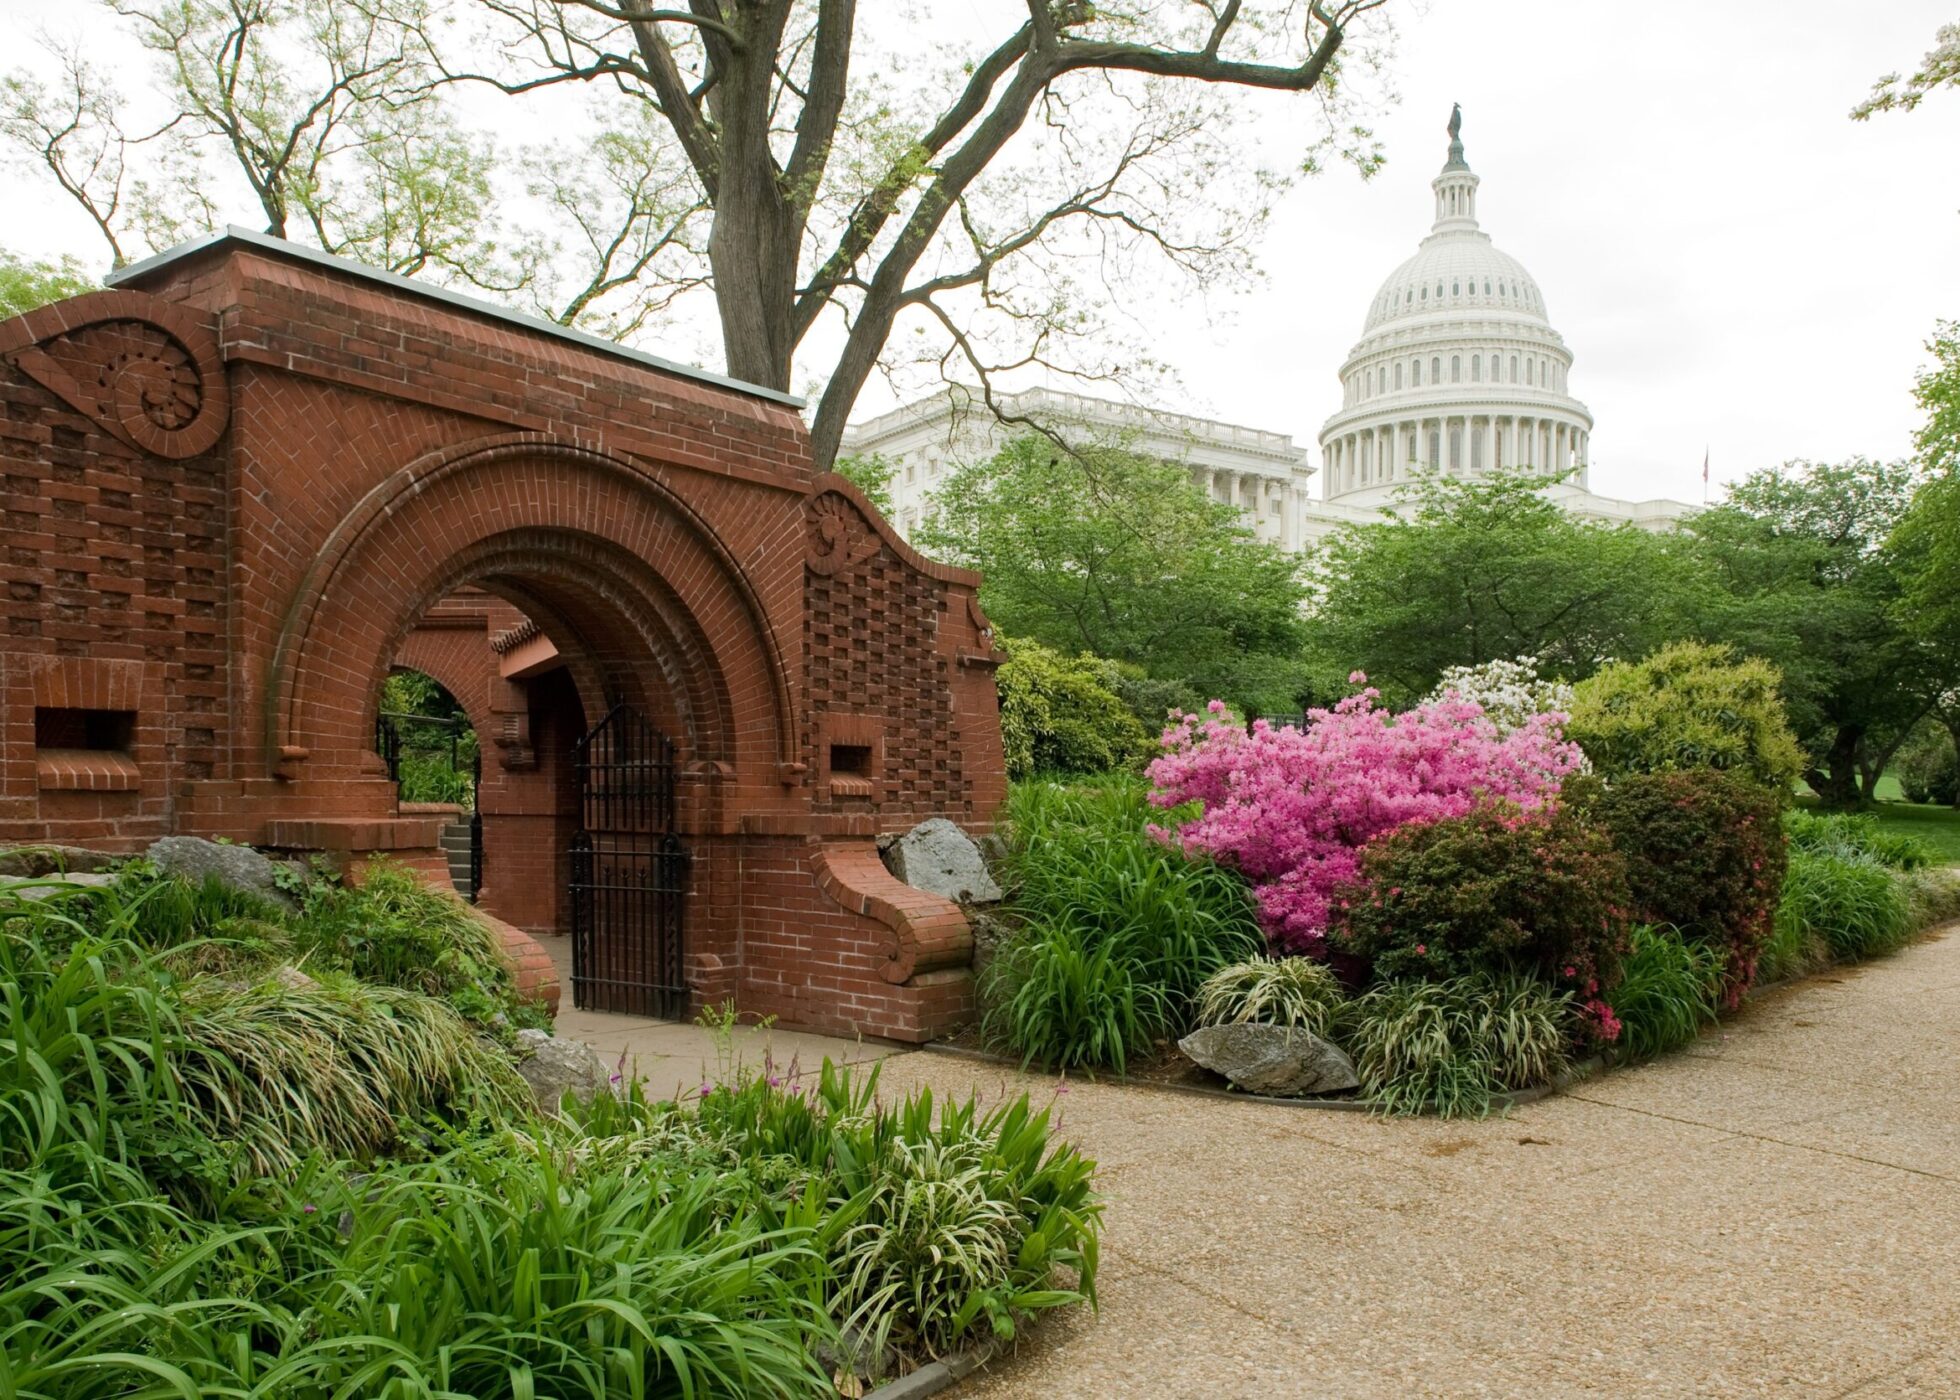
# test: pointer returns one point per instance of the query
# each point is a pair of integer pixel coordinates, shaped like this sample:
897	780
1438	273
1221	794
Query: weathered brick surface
235	492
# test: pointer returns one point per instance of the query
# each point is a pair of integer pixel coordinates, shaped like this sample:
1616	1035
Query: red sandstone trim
928	934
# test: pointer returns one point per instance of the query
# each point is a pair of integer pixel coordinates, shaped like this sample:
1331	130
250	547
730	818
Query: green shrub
1689	705
1927	768
1854	905
1668	991
1058	714
631	1248
1855	834
1451	1047
1492	892
1118	929
1704	853
1271	991
397	931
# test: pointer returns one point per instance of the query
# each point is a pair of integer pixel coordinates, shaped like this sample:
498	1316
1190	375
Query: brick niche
248	479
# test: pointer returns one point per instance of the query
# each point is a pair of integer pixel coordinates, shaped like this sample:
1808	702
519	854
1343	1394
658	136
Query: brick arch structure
541	517
238	479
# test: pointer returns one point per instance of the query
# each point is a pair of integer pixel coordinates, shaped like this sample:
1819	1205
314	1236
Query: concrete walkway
1775	1211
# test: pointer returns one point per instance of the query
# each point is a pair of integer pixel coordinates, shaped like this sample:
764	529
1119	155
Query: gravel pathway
1775	1211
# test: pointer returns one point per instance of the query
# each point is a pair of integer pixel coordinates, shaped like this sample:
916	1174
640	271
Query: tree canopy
1806	580
26	283
1104	550
1489	568
828	178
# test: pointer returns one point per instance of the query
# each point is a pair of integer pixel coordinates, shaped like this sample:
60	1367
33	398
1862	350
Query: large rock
1283	1061
41	887
939	858
554	1068
30	862
240	867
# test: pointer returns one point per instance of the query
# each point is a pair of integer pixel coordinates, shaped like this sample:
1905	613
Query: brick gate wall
235	482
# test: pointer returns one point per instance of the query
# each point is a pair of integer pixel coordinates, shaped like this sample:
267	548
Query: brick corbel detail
927	933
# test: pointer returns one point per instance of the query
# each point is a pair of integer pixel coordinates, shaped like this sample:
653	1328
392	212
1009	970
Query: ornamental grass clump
1851	904
1452	1047
1295	992
1291	809
1669	989
1116	929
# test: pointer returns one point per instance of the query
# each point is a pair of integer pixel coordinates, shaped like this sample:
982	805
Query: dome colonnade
1458	369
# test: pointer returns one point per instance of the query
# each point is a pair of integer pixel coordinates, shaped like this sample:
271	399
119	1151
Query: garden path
672	1056
1773	1211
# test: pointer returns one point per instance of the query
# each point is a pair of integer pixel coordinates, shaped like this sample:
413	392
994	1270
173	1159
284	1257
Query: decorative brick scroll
839	536
145	370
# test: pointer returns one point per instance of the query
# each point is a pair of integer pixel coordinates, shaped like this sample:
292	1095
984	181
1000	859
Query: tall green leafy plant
1117	929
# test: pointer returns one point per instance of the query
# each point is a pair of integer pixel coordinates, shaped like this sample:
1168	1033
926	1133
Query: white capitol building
1457	370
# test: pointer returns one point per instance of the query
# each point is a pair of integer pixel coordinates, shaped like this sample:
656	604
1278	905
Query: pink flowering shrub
1292	809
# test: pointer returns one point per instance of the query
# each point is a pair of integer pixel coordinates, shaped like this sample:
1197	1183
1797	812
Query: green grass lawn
1938	827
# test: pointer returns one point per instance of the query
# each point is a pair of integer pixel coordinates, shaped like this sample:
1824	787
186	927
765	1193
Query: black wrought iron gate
629	872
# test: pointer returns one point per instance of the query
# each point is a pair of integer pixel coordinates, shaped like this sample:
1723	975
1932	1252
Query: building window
1435	447
1456	289
1527	371
1476	369
1415	373
1514	369
1456	449
1435	369
1456	369
1398	375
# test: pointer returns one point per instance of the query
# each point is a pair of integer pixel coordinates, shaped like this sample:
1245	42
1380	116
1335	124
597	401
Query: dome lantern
1456	186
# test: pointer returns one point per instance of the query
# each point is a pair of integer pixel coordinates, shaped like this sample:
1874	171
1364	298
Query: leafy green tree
1103	550
1927	543
1807	581
1490	568
879	191
858	193
26	284
871	473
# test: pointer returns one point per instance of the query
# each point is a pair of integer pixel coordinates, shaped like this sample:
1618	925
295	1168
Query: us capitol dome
1459	370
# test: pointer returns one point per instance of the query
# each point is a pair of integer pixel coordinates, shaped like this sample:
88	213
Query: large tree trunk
753	242
1837	781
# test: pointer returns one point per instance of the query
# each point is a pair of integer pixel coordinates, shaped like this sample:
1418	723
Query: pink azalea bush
1292	809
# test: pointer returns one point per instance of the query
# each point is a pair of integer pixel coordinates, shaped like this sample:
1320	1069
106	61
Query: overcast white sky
1736	265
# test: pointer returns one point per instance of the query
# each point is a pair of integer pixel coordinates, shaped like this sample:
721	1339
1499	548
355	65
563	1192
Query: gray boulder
1283	1061
240	867
41	887
939	858
554	1067
30	862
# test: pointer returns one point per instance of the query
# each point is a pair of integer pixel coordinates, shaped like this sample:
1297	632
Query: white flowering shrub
1510	693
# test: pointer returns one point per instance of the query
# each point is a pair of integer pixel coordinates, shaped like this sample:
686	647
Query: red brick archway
241	479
